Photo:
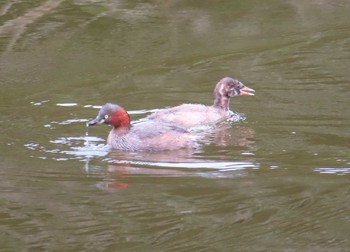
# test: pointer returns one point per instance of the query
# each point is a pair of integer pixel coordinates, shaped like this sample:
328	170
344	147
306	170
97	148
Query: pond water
275	177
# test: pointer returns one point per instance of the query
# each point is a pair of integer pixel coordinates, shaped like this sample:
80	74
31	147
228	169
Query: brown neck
121	130
120	119
221	101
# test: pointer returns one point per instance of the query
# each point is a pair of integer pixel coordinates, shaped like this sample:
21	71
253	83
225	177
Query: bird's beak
96	121
246	91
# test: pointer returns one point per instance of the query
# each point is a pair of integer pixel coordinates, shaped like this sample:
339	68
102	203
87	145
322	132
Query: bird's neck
221	101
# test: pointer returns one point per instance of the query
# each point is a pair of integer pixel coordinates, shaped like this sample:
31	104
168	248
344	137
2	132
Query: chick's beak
246	91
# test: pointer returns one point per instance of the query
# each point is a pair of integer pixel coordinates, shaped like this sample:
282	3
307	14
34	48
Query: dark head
111	114
228	87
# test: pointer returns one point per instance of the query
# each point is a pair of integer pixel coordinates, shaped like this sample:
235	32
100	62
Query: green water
274	179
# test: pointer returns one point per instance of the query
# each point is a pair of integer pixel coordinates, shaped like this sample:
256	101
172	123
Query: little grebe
190	115
146	136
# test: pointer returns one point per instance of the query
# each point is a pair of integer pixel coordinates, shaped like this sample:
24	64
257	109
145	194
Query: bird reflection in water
123	166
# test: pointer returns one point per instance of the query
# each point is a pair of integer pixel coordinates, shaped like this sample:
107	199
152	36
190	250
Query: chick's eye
106	116
230	87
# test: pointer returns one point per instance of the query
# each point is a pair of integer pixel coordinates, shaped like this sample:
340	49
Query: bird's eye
106	116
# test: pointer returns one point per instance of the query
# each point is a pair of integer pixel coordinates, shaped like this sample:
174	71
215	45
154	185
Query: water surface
274	178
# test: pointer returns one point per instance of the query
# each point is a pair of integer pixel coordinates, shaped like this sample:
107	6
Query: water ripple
334	170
